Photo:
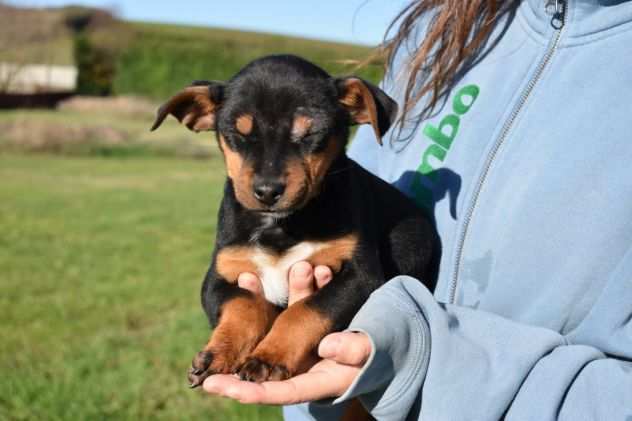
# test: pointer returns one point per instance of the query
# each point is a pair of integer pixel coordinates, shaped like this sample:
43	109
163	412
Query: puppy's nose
268	192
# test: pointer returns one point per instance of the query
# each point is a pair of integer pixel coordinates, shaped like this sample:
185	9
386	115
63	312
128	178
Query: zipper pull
557	10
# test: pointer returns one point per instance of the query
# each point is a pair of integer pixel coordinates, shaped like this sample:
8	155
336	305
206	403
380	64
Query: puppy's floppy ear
195	106
367	103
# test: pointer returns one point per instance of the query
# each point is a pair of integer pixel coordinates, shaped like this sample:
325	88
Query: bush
95	66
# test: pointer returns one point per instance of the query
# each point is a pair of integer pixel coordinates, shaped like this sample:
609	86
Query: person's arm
412	355
455	363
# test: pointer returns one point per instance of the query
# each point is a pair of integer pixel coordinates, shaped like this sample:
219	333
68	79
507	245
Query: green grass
162	59
100	268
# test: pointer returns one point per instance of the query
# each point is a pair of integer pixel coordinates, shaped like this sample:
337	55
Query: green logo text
442	137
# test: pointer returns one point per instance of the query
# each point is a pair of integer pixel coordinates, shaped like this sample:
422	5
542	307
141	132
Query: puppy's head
281	122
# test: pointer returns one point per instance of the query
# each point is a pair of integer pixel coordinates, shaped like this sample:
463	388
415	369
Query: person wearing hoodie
515	132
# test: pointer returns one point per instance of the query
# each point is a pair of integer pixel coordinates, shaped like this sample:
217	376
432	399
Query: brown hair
457	29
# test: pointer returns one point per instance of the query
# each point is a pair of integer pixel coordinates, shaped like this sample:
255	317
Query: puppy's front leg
241	320
290	346
288	349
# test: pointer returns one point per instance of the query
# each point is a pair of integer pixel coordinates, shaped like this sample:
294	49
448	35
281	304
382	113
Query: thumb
351	348
301	282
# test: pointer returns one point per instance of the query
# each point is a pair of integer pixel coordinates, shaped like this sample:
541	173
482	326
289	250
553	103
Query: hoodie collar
584	19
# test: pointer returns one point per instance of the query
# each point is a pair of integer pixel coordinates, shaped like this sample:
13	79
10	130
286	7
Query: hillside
162	58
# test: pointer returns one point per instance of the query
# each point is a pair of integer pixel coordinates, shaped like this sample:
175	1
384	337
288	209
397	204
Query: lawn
101	262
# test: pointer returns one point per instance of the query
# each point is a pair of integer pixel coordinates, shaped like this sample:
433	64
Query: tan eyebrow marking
244	124
300	126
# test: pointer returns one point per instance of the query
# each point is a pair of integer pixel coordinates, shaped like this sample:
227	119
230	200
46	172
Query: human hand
343	353
303	281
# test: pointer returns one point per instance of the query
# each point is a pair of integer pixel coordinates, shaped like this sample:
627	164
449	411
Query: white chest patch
274	270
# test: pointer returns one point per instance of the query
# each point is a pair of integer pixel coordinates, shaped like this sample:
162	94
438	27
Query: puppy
292	194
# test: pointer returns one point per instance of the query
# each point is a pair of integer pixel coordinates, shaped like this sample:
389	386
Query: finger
251	282
218	383
351	348
246	392
328	379
301	282
323	275
230	386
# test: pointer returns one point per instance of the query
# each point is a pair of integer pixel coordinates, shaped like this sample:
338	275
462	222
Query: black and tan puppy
291	194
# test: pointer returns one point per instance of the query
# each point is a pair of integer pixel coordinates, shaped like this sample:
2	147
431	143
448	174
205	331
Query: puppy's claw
196	379
279	373
200	369
258	371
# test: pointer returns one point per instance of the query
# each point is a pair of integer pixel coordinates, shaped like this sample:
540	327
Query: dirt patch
43	136
105	131
126	105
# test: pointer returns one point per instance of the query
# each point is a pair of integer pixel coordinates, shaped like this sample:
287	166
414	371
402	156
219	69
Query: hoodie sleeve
455	363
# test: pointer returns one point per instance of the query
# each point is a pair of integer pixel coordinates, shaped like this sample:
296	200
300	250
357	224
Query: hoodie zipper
557	9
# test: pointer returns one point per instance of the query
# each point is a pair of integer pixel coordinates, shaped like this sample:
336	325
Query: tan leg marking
243	322
288	349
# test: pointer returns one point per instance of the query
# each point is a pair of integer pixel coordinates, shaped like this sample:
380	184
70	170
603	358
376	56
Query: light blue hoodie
528	169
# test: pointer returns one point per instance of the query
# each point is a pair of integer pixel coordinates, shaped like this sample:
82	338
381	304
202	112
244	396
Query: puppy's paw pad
258	371
200	368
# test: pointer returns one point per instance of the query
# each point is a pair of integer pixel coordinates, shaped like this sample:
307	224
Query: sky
356	21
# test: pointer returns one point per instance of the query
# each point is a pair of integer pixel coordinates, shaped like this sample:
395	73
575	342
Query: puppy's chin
276	212
279	214
279	211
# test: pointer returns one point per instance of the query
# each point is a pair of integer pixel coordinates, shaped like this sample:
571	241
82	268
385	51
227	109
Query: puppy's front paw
257	370
200	368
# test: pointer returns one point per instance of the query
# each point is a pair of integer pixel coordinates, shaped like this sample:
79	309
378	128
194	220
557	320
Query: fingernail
329	346
302	270
322	273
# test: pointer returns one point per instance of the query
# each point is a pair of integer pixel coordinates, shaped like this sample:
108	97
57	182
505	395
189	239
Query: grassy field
100	268
106	229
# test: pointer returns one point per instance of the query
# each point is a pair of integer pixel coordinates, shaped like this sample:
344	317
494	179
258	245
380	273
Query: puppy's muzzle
268	192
